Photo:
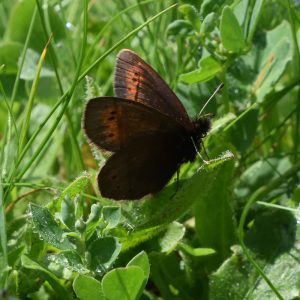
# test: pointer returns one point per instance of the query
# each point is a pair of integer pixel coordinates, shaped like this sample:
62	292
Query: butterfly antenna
214	93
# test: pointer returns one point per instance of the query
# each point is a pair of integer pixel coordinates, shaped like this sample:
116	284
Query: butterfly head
201	127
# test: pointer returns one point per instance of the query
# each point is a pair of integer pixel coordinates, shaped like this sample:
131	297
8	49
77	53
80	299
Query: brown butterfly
145	126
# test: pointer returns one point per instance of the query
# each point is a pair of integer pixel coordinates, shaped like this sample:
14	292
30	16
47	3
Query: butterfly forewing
111	123
142	167
137	81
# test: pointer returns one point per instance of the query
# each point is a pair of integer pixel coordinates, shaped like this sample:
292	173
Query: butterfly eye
110	118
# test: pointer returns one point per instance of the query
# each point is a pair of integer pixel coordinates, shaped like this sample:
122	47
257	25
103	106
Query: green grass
229	232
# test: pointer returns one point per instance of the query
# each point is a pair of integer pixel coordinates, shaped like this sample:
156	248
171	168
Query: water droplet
69	25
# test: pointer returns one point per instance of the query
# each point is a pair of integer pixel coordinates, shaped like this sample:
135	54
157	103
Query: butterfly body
145	126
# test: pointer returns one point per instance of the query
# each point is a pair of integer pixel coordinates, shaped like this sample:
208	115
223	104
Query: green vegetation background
230	232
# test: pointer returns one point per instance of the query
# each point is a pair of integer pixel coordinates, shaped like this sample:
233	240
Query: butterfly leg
224	156
198	153
205	162
204	149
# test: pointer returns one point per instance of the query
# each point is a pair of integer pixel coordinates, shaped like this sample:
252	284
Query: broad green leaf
240	10
209	23
88	288
208	68
123	283
231	32
9	55
104	251
214	215
46	90
169	238
95	213
68	212
284	273
274	60
273	241
20	19
47	228
50	277
30	67
68	259
233	279
141	260
273	67
273	233
111	215
94	219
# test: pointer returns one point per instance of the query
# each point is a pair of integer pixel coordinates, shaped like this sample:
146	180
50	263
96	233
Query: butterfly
146	128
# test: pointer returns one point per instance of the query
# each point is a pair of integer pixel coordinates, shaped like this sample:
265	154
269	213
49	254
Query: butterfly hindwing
142	167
